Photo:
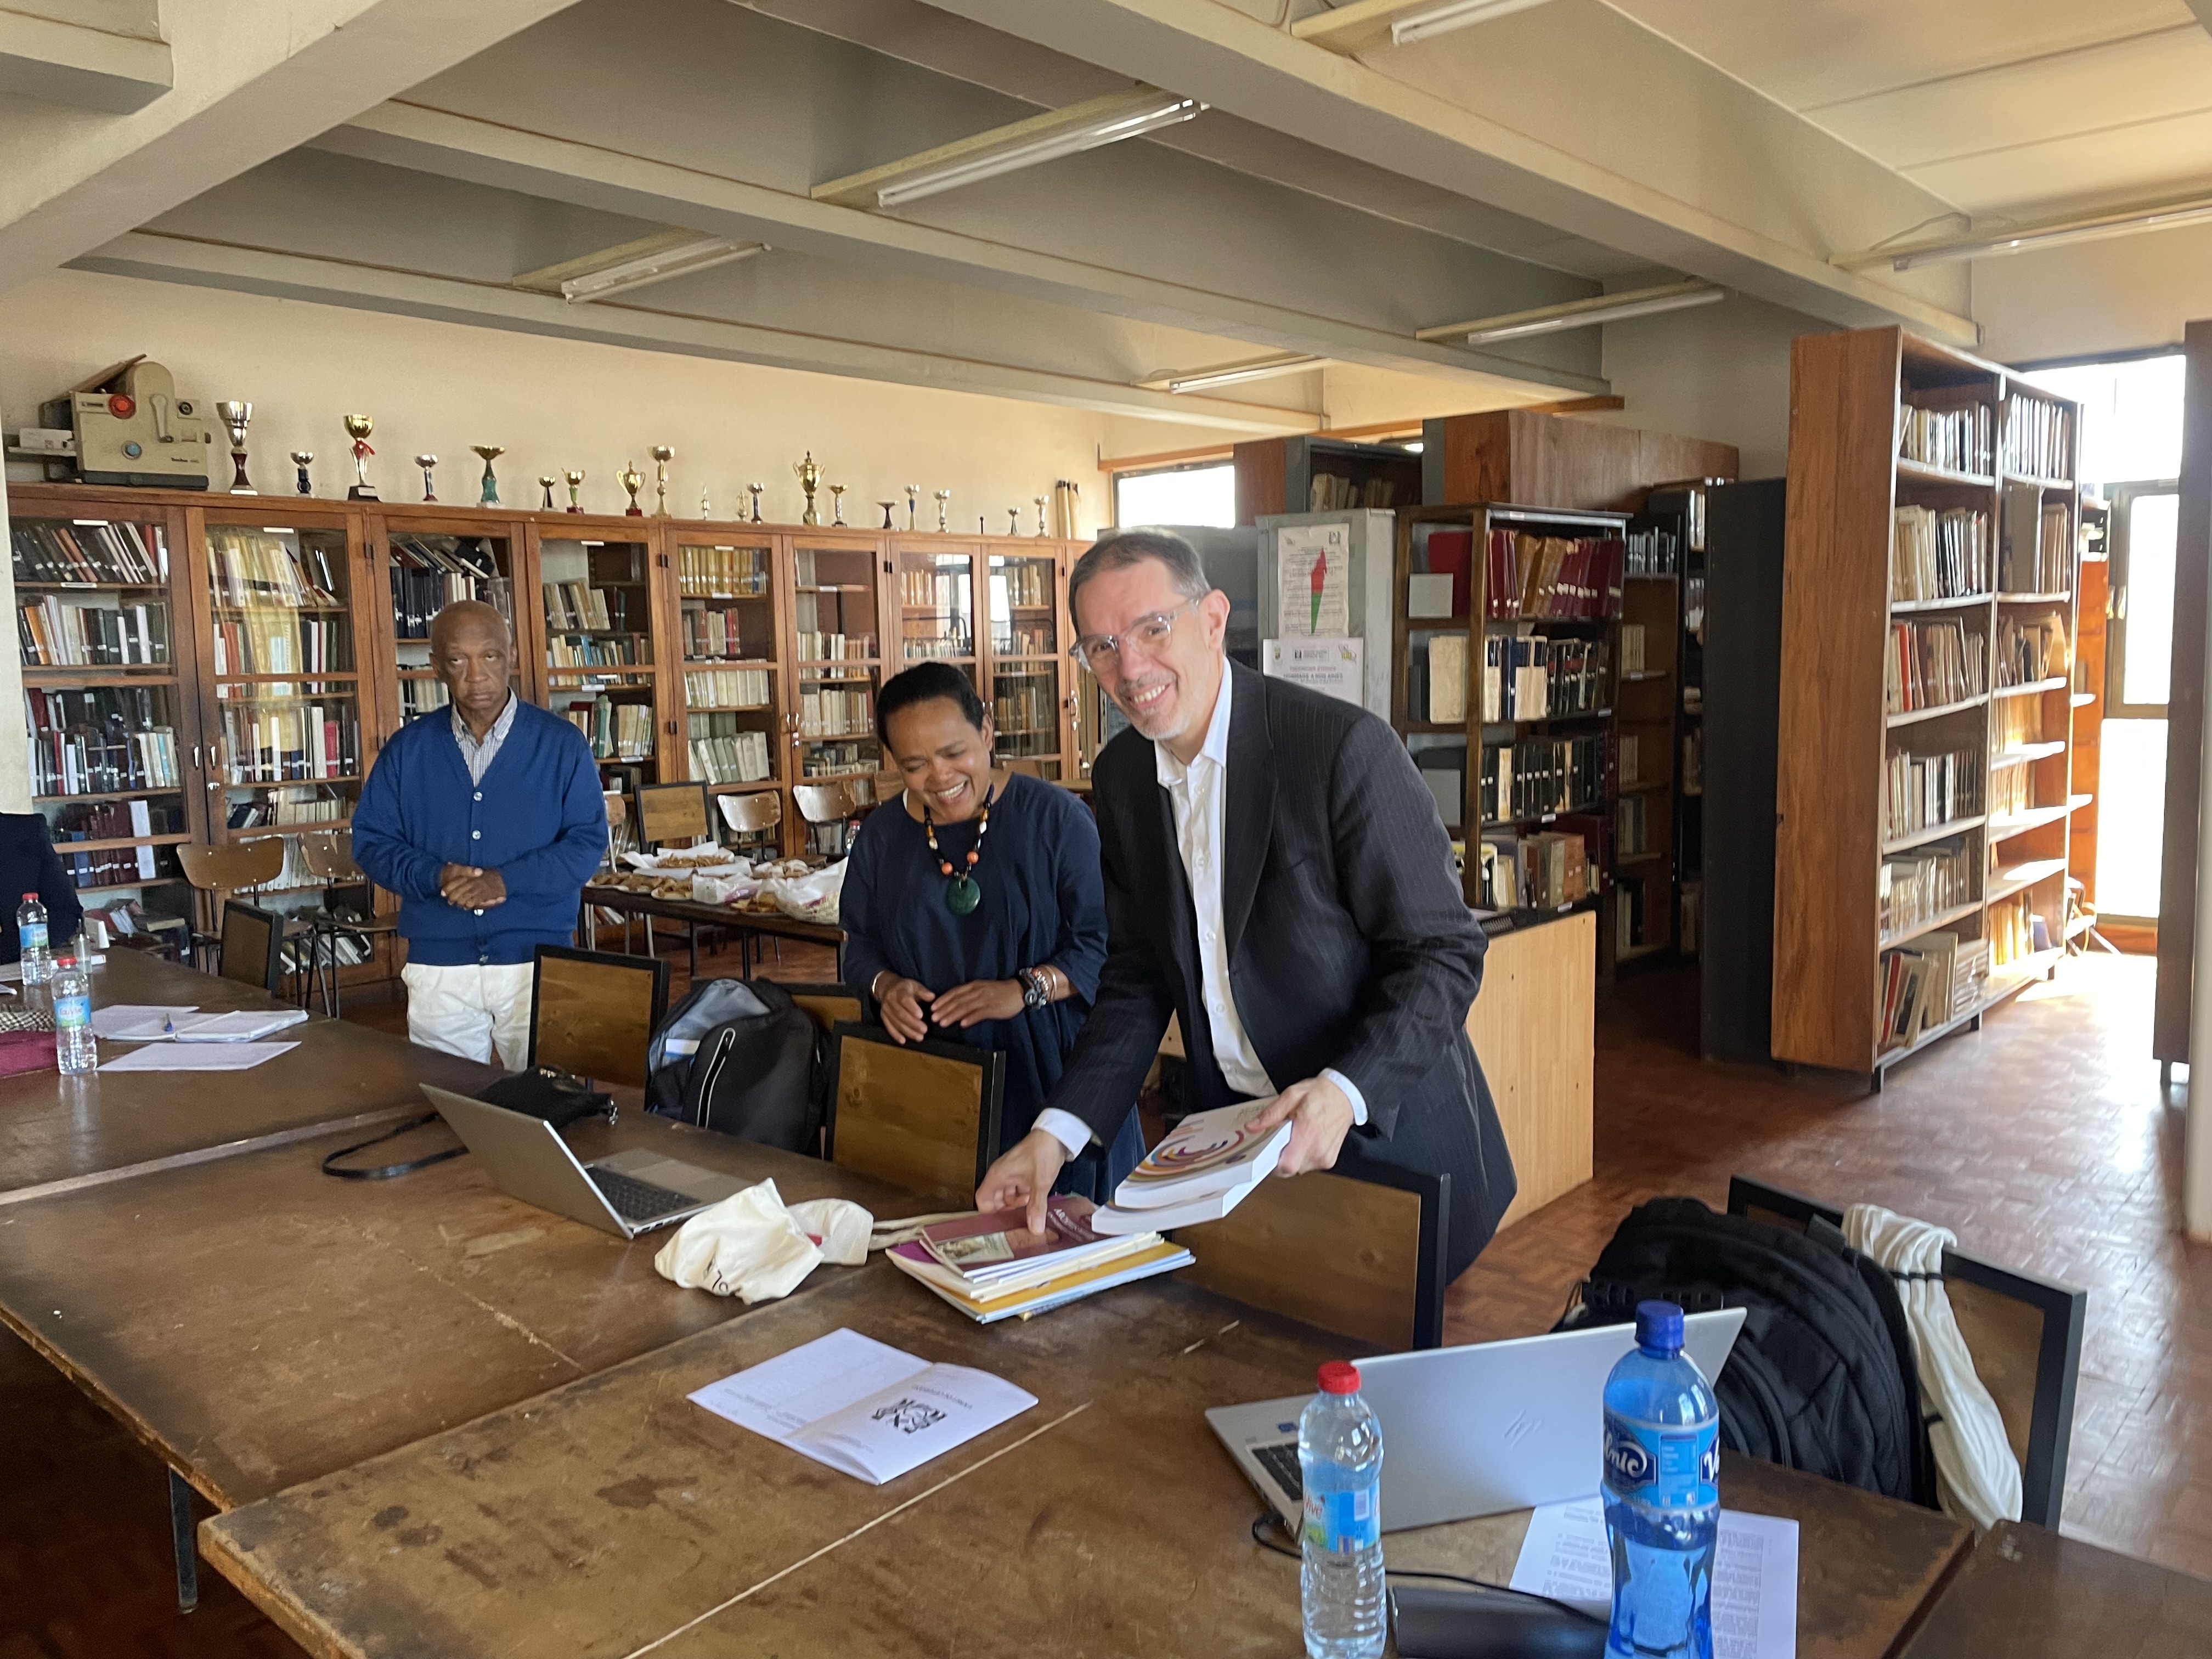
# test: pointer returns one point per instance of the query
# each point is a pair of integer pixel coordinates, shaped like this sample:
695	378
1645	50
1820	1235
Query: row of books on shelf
1634	931
1929	664
113	866
934	590
422	697
826	711
597	651
720	633
1542	871
722	572
1922	791
571	606
283	642
99	740
1960	438
2030	648
2016	722
2038	438
2015	931
1328	492
1554	578
1654	550
1030	639
1538	775
2039	543
254	568
301	803
2012	790
1936	979
724	752
1919	885
931	646
55	634
1528	677
1631	648
1023	703
1028	582
1939	554
1632	819
837	760
262	744
117	820
117	551
616	731
726	688
430	573
835	647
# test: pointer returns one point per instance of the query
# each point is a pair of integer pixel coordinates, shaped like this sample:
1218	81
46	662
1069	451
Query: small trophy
547	481
488	495
299	459
912	499
1013	522
632	480
887	506
836	504
358	426
575	478
662	454
236	415
430	485
754	490
1039	501
944	508
706	508
809	480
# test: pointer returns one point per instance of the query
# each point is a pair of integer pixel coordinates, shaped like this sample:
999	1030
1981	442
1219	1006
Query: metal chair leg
180	1540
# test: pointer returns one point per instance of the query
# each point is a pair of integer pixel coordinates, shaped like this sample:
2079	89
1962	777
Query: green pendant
962	895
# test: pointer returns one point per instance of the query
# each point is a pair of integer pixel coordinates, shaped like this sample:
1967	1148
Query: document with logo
867	1409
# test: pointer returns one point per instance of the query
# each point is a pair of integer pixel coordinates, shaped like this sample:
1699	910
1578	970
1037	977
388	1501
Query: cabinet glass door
1028	662
732	692
428	567
838	664
597	605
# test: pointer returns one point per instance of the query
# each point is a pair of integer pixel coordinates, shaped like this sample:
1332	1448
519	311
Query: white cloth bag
753	1246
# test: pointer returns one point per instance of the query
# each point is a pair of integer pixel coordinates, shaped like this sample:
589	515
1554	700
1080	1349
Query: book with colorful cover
985	1248
1207	1152
1152	1256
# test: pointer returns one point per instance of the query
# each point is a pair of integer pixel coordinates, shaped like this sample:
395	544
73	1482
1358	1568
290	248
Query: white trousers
466	1010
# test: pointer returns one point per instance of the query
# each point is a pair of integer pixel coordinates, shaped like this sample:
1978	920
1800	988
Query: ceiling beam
96	68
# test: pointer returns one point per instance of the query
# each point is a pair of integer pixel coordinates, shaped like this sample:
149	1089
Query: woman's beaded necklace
962	895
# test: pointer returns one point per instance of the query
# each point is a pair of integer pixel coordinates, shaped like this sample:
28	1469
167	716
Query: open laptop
1470	1430
629	1194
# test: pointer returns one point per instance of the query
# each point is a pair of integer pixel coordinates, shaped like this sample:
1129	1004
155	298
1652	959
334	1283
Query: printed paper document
138	1022
198	1057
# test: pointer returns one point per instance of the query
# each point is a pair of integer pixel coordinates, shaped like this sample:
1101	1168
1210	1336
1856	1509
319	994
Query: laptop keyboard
1281	1461
639	1202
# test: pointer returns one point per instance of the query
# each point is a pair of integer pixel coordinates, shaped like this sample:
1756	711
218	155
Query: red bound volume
1452	552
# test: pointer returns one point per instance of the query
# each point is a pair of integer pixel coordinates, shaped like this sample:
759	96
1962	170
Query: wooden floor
2043	1142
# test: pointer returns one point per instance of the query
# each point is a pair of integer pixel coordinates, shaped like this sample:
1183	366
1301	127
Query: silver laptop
629	1194
1472	1431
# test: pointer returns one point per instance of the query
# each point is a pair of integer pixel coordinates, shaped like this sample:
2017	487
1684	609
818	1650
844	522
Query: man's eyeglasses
1100	652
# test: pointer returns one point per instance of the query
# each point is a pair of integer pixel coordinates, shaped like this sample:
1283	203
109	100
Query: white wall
2095	299
1720	373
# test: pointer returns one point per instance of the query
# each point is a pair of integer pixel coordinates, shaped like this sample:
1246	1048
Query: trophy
887	506
1039	501
662	454
632	480
944	506
488	495
809	480
1013	522
299	459
547	481
706	508
836	504
913	497
754	490
575	477
236	415
358	426
430	485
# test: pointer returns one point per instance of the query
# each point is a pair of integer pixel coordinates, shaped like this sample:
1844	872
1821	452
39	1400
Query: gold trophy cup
299	459
358	426
236	415
575	477
809	480
487	494
632	480
546	481
662	454
430	485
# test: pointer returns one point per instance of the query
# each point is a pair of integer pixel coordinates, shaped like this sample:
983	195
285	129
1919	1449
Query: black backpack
1822	1376
741	1057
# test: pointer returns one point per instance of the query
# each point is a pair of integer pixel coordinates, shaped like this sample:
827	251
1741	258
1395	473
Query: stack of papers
202	1057
992	1267
863	1407
1200	1172
138	1022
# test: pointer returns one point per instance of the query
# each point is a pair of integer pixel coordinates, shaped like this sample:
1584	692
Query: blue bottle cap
1659	1326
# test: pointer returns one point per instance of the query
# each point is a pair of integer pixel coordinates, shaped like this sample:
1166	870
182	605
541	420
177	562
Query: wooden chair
252	949
921	1115
619	839
328	855
232	868
2024	1333
673	812
825	806
1358	1250
1026	766
594	1012
752	813
828	1006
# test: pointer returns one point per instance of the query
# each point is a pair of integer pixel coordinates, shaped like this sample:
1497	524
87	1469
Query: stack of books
1206	1167
992	1266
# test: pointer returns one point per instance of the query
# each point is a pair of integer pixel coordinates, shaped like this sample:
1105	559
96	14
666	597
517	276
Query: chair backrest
889	785
328	855
1358	1250
252	950
823	803
1025	765
921	1115
827	1006
233	865
594	1012
2024	1333
752	812
673	812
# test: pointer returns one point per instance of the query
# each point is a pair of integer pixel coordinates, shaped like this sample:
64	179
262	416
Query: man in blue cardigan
487	820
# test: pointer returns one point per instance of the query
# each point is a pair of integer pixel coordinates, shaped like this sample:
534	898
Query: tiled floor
2042	1142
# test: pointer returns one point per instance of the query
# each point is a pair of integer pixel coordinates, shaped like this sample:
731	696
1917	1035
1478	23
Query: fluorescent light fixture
1579	313
1164	109
2038	234
1257	369
702	254
1444	20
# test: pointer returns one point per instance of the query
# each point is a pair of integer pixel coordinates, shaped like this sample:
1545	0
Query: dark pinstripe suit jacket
1349	944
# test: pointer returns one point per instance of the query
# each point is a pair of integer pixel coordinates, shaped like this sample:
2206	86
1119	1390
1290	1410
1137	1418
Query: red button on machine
122	406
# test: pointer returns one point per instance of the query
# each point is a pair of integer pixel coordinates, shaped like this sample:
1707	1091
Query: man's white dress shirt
1198	795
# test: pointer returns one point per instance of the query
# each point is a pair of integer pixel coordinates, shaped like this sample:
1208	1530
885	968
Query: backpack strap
385	1172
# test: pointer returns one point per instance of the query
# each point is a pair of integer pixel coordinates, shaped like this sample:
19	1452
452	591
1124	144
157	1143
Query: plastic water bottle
75	1047
1662	1496
37	957
1340	1465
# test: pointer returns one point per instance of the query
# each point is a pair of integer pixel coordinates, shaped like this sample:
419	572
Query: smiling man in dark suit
1276	877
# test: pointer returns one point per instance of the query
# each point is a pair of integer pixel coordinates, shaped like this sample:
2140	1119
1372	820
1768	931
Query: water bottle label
72	1014
32	935
1342	1520
1662	1468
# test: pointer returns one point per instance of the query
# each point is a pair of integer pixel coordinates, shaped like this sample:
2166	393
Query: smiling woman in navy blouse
974	910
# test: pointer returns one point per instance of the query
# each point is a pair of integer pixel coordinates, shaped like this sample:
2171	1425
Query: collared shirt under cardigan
480	753
1198	795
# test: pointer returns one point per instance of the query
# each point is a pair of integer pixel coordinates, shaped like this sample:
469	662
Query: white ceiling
1996	106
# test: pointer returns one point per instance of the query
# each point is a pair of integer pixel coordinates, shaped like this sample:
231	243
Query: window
1202	494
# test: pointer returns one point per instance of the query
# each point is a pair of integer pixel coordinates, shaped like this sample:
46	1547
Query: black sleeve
36	867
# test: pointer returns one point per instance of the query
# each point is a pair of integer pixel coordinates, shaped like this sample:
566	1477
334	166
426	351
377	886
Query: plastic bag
811	898
754	1247
728	889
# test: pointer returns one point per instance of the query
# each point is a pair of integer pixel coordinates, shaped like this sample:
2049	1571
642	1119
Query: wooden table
747	925
2028	1594
59	1133
612	1518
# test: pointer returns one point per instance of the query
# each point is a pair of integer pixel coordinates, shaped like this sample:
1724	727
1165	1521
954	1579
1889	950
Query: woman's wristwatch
1036	989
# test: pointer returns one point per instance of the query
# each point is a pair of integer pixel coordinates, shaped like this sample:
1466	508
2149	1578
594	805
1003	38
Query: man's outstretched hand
1319	1117
1024	1175
471	888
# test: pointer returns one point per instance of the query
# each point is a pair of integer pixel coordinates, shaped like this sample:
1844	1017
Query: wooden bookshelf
1928	638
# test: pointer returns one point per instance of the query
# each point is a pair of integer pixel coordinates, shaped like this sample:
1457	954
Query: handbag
545	1091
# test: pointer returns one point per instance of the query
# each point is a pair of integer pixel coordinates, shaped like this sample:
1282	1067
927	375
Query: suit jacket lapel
1169	880
1249	814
